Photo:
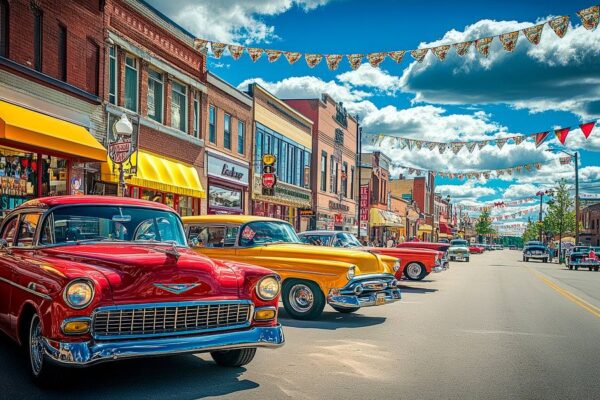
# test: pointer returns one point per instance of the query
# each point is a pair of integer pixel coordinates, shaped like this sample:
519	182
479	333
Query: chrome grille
164	319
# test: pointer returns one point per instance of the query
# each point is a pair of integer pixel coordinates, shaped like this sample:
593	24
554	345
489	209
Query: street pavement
494	328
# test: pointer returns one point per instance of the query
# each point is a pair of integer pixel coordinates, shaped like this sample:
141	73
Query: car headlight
396	266
351	273
268	288
79	293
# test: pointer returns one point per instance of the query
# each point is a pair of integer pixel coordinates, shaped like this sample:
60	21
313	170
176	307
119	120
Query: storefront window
18	177
54	176
223	197
170	199
186	205
152	195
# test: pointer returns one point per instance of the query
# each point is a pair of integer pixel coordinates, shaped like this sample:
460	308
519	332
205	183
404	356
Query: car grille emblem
176	288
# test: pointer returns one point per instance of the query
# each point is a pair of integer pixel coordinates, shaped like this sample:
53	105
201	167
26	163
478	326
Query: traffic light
269	179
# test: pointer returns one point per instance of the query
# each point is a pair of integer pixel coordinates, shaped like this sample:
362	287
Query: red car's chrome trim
28	290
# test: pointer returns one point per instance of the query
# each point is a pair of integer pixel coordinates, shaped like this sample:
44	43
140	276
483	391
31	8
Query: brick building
590	221
158	80
334	143
228	148
52	130
420	190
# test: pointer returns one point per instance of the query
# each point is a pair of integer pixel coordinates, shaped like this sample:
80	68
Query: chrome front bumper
376	290
82	354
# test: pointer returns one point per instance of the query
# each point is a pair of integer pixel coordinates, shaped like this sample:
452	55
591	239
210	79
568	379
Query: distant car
580	258
443	241
476	249
512	247
459	250
536	251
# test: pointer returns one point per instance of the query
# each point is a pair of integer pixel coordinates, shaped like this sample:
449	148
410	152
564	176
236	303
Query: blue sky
535	88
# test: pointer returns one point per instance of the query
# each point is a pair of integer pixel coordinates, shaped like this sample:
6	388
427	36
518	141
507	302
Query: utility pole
541	194
576	155
359	166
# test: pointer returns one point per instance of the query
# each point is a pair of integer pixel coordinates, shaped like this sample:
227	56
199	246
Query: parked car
312	276
476	249
536	251
416	264
88	279
459	250
579	257
441	247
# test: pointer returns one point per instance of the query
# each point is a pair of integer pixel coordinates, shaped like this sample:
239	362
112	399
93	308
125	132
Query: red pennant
540	137
587	128
561	134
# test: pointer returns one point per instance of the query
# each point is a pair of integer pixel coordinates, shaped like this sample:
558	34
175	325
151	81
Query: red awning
444	228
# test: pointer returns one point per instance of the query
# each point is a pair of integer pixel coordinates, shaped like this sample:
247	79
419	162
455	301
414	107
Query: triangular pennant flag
483	45
462	48
461	176
376	58
355	60
441	51
533	33
255	53
587	128
431	145
409	144
273	55
235	51
561	134
500	172
442	147
333	60
540	137
538	166
402	143
528	167
560	25
411	171
509	171
482	144
201	45
519	168
456	146
500	143
589	17
419	172
418	144
509	40
486	175
217	49
397	55
471	146
519	139
292	56
313	59
419	54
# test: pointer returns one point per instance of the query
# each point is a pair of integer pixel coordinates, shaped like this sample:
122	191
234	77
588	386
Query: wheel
576	268
467	259
524	259
596	269
545	260
43	374
233	358
346	310
590	269
415	271
303	299
451	258
570	267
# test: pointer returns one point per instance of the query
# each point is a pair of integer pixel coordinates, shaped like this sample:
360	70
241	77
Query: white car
459	250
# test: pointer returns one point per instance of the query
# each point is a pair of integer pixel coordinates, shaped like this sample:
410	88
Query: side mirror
4	246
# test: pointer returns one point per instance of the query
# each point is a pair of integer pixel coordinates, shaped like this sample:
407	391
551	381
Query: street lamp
576	157
541	193
124	129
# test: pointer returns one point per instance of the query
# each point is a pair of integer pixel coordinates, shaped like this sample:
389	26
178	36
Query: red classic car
87	279
475	249
416	264
426	245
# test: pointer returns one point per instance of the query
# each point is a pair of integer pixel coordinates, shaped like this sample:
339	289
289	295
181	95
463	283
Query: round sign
268	159
268	180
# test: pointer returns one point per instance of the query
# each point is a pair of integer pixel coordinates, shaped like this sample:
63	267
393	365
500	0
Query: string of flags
499	204
514	226
410	144
514	215
588	16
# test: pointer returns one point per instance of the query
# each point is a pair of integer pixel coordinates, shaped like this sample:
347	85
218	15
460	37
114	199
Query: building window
284	161
259	147
352	182
339	137
38	32
179	106
212	129
4	21
334	173
92	66
345	179
196	117
241	137
112	75
155	95
62	52
306	172
131	84
323	171
227	131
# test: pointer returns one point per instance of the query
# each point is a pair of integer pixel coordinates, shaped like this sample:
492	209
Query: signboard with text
364	203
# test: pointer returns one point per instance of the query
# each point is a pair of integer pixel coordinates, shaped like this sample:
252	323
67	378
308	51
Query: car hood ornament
176	288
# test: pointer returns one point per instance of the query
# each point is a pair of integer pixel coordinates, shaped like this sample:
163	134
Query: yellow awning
444	236
20	126
158	173
379	217
425	228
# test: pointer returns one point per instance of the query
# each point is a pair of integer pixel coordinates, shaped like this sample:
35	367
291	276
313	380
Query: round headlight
268	288
351	273
79	293
396	265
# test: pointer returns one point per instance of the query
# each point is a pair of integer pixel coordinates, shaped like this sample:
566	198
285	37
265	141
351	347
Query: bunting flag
483	45
482	144
519	139
418	144
409	144
589	17
442	147
333	60
355	60
419	54
561	134
540	137
402	144
534	33
397	55
431	145
560	25
500	143
255	53
441	51
587	128
313	59
273	55
471	146
217	49
509	40
456	147
462	48
291	56
235	51
201	45
375	59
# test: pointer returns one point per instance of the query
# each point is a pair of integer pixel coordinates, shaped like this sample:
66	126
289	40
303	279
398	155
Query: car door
214	241
7	261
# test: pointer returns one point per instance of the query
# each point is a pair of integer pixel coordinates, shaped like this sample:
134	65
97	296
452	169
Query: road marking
497	332
568	295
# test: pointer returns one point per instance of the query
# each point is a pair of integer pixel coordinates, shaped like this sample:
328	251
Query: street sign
338	219
268	169
269	159
268	180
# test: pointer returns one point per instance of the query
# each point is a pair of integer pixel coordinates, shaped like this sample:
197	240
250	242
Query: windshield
459	243
316	239
263	232
346	240
78	224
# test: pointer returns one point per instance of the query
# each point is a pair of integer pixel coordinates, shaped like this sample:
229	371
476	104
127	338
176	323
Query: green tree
561	214
483	226
532	232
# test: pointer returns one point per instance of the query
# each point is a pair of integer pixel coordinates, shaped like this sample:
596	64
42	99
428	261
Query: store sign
227	170
306	212
268	180
338	219
231	172
121	146
364	203
338	206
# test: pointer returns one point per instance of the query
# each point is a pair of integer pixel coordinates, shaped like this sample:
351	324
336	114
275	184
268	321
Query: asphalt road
496	327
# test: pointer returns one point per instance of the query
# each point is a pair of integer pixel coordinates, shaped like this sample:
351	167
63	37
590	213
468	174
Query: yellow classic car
312	276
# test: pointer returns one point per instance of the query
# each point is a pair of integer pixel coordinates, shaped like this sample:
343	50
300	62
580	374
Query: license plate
380	299
459	258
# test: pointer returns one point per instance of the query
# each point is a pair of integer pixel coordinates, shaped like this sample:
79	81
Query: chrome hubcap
36	350
301	298
413	270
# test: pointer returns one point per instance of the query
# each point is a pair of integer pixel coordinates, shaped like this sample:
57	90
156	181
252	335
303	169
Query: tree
561	215
532	232
483	226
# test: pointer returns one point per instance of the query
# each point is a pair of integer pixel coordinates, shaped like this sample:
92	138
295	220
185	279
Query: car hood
536	248
367	262
453	248
145	273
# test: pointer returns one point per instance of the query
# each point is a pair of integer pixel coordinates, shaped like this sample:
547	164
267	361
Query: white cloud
467	190
368	76
231	21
